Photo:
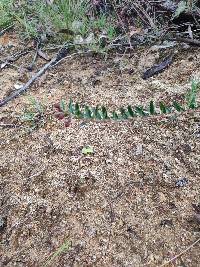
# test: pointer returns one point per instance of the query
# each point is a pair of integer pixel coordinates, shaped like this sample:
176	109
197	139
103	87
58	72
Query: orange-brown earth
119	206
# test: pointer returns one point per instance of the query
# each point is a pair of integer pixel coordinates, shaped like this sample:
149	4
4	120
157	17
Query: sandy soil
119	206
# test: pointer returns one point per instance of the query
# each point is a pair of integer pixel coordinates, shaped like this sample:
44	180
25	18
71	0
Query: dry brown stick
25	87
30	67
186	40
180	254
60	55
71	55
6	125
6	29
13	58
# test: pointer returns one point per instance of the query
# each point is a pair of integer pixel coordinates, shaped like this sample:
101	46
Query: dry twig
30	67
187	40
6	29
61	54
13	58
11	126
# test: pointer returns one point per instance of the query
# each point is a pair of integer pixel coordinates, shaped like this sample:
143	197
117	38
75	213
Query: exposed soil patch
121	205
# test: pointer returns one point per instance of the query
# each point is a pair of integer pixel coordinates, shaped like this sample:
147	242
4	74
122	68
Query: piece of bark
157	68
188	41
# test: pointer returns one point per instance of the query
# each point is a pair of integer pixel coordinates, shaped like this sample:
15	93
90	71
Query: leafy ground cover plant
33	113
5	13
74	109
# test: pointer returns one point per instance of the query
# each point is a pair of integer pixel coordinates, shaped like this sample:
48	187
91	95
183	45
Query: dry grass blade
63	247
180	254
138	8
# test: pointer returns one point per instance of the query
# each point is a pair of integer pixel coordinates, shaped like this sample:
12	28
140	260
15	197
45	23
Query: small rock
3	223
166	222
139	149
181	182
196	207
185	46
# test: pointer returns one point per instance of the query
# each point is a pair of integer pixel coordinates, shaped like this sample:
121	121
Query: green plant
64	20
185	5
191	95
125	113
6	7
71	10
65	246
111	32
36	17
28	25
33	112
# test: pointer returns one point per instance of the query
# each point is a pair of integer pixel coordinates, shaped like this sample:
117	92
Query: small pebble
181	182
166	222
139	150
2	223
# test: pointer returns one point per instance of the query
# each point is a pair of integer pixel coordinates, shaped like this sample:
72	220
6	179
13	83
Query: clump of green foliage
63	20
6	13
100	25
33	113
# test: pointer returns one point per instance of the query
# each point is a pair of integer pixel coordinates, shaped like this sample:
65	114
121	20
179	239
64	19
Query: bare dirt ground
119	206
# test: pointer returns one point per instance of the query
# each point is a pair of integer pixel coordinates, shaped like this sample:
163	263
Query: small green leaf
177	106
182	6
140	111
77	112
114	115
87	150
163	108
104	113
123	113
88	113
191	95
63	247
168	109
194	85
33	101
152	108
70	107
36	104
97	114
28	116
130	111
191	102
77	109
62	105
